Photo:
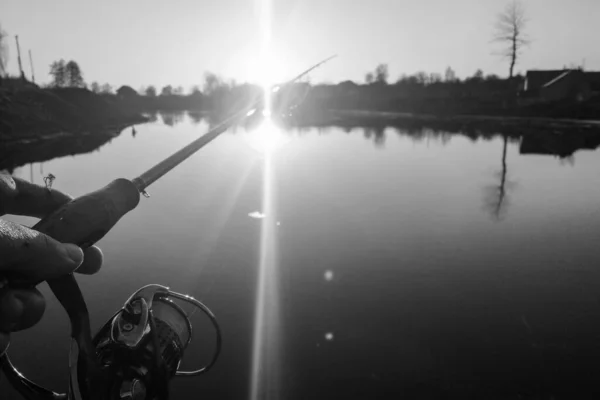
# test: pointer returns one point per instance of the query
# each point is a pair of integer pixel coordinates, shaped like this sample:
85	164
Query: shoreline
523	121
29	114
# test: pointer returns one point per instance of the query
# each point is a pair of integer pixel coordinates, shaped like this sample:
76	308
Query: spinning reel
135	354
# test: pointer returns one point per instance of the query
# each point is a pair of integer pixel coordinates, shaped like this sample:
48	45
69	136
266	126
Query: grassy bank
29	112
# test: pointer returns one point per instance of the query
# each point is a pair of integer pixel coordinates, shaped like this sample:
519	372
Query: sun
267	70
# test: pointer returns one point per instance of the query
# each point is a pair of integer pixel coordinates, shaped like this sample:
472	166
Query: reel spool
139	350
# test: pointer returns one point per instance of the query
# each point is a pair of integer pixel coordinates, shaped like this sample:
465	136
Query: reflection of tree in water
377	133
426	135
195	117
152	116
172	118
568	160
496	201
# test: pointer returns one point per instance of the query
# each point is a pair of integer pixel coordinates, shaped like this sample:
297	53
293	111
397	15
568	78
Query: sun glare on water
267	138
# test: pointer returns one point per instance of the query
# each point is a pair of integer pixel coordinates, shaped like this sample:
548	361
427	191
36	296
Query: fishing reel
135	354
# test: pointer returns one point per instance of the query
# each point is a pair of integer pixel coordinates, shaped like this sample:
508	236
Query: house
556	85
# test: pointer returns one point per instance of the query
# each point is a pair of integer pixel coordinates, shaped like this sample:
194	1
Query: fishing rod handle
86	219
83	221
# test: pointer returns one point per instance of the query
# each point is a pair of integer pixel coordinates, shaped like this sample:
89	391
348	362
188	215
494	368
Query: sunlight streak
266	366
267	331
267	138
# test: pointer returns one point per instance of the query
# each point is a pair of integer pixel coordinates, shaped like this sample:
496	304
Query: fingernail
75	253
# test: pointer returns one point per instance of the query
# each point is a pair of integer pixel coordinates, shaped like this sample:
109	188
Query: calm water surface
405	268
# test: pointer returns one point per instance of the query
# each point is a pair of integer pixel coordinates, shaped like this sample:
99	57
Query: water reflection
534	142
377	134
496	199
196	117
388	251
172	118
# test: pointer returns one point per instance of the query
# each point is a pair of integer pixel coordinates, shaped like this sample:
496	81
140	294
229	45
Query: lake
378	264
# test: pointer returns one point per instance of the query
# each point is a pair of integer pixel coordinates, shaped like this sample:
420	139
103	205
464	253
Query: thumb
33	255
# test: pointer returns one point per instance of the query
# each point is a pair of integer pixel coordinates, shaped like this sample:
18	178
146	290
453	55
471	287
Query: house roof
536	79
558	78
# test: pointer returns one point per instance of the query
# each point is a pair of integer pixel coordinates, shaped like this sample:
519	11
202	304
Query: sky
143	42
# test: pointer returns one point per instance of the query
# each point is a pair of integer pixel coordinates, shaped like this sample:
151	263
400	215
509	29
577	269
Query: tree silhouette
3	51
211	83
106	88
509	30
167	91
195	90
369	78
381	73
73	75
422	77
95	87
434	77
58	71
449	75
150	91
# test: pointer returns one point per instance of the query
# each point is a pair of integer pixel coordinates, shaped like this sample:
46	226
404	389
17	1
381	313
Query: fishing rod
138	351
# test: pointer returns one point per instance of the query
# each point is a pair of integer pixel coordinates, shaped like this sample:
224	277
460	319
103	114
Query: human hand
32	255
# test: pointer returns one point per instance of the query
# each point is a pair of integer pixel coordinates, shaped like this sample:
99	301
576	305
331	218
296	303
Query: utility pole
31	65
19	58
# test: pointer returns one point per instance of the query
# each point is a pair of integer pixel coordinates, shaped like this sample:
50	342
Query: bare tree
74	77
167	91
450	75
212	83
150	91
195	90
106	88
435	77
510	31
58	70
422	78
381	73
3	51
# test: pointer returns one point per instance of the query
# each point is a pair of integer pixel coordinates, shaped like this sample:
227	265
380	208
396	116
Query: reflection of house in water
567	84
561	145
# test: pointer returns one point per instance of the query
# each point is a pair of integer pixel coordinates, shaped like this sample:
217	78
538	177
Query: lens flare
266	365
267	138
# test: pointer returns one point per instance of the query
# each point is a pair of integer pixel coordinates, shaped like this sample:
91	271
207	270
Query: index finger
20	197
